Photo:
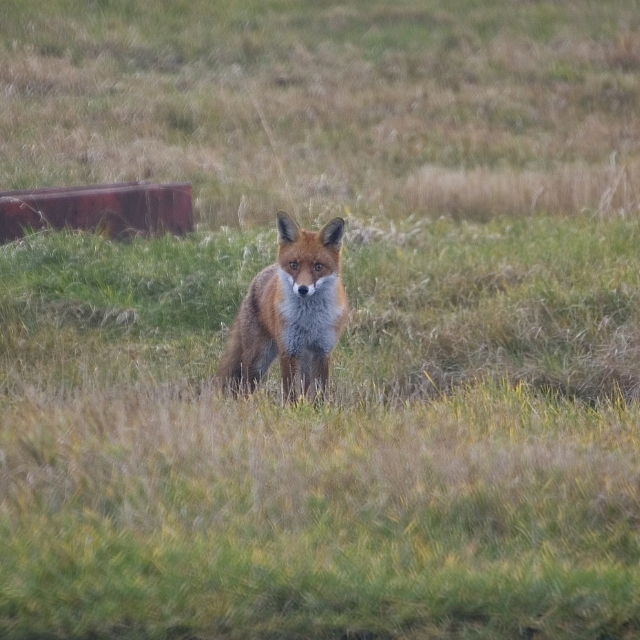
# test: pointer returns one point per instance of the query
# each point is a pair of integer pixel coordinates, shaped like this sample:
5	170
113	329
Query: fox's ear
288	228
332	232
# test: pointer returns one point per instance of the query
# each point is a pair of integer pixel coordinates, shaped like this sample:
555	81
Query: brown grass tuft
482	192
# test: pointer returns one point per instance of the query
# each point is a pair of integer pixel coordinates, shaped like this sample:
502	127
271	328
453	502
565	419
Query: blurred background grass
468	110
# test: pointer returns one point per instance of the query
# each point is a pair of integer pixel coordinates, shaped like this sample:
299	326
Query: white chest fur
309	322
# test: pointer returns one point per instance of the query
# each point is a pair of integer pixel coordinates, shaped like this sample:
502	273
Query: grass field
475	471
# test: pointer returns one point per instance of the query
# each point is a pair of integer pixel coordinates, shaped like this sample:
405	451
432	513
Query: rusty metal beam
116	210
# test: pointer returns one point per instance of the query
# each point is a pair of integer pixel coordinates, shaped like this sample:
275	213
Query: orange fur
296	309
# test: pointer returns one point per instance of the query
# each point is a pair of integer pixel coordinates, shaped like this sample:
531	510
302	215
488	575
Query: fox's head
308	260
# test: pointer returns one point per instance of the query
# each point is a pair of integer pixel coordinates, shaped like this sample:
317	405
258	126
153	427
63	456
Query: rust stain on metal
116	210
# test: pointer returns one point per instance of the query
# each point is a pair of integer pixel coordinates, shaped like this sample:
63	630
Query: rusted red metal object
117	210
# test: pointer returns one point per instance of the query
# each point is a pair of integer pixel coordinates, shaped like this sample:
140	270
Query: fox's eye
317	267
293	265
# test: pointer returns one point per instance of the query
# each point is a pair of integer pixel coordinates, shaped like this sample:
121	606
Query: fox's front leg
319	375
290	370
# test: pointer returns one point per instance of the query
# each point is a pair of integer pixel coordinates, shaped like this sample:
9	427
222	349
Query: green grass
144	514
474	472
445	303
503	503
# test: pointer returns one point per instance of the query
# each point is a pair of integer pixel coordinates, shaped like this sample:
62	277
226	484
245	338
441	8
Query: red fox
296	309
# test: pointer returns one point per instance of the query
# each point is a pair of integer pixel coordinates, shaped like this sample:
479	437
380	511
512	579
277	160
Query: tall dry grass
482	193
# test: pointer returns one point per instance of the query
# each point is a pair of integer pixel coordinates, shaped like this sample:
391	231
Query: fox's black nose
303	290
